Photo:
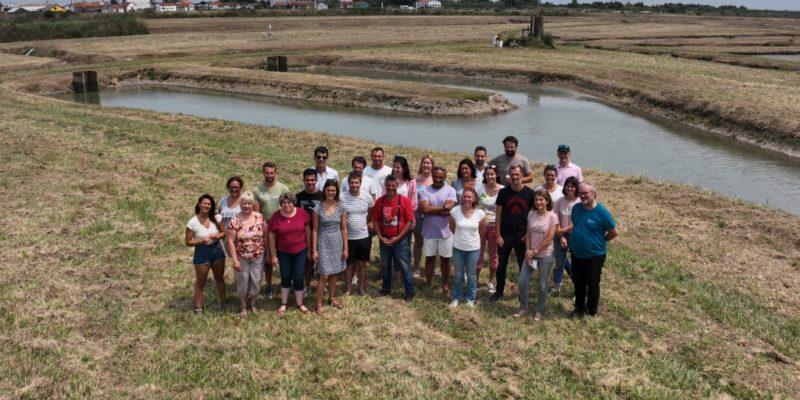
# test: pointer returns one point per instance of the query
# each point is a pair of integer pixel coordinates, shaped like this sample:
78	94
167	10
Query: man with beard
480	163
437	200
510	157
267	194
307	199
393	218
377	171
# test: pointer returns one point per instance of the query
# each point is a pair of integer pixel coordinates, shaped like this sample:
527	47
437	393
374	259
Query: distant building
119	8
221	5
428	4
321	6
55	8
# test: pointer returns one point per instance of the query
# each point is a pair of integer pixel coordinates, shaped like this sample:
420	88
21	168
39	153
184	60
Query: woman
406	186
329	242
203	232
289	243
229	205
487	198
467	224
550	185
467	175
245	238
542	225
563	209
423	180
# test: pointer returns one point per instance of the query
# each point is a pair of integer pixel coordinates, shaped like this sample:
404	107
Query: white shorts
438	247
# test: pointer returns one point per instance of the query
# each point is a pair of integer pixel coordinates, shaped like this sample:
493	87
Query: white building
428	4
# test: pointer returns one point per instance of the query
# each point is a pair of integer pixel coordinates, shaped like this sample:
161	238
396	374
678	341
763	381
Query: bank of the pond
357	93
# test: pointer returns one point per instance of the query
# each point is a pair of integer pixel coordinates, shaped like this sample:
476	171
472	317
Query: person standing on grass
267	194
467	178
329	242
542	225
324	172
392	219
203	232
513	204
377	171
307	199
563	209
550	185
423	180
245	239
289	244
487	198
405	185
358	164
467	223
592	227
480	163
510	157
229	205
437	201
357	205
565	168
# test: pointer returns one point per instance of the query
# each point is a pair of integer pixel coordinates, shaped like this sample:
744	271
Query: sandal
243	313
303	309
320	310
335	303
198	311
253	308
281	310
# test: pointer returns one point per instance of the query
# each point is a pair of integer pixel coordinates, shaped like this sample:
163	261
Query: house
321	6
16	11
353	4
55	8
87	7
184	6
25	8
167	7
428	4
220	5
119	8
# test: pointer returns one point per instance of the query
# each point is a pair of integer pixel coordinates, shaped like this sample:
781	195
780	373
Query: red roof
88	6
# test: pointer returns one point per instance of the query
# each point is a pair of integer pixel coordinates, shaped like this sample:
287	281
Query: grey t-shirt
503	162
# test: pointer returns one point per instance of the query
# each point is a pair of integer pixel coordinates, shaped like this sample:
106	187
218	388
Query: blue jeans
544	265
562	262
400	256
465	262
293	267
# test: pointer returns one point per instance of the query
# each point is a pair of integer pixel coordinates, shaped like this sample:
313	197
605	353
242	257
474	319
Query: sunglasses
322	157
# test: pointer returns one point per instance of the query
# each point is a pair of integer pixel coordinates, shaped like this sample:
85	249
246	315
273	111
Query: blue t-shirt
588	238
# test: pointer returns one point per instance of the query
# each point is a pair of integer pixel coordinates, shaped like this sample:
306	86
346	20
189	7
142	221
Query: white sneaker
471	304
453	304
491	288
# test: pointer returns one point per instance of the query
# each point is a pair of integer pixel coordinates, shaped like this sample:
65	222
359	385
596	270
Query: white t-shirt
330	173
357	208
467	236
378	177
554	195
366	182
200	231
228	213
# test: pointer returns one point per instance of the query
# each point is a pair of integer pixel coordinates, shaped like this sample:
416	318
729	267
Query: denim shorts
205	254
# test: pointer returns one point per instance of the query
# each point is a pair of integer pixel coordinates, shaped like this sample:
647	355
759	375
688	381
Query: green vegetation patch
70	27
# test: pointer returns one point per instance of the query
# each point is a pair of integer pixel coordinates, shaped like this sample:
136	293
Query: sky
793	5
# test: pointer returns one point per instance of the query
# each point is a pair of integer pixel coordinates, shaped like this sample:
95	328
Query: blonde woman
245	238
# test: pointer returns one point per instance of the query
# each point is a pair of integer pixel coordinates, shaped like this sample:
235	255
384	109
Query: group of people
329	226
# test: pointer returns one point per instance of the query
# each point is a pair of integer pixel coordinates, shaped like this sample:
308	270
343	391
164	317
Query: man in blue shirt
592	227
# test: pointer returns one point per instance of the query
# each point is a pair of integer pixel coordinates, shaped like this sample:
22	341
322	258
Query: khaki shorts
438	247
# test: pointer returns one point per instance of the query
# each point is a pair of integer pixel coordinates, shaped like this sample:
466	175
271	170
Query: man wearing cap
509	158
565	168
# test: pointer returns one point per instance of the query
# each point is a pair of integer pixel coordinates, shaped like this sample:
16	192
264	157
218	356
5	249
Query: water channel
785	57
601	136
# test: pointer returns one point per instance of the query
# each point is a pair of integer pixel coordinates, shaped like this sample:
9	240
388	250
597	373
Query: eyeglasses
583	193
322	157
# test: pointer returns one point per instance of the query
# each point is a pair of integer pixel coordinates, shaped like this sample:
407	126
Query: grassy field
699	293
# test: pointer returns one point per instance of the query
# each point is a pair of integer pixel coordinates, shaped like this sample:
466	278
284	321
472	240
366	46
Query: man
480	163
436	201
509	158
393	219
357	204
513	204
592	227
267	194
377	171
565	168
307	199
358	163
324	172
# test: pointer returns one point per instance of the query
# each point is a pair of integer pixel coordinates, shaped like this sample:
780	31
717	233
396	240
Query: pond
600	136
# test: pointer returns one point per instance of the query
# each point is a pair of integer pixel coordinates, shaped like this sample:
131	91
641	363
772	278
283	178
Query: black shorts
358	250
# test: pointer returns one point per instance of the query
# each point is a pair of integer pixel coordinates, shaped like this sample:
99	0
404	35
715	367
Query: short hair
511	139
515	165
391	178
310	172
472	170
428	156
374	149
213	205
479	148
358	159
496	174
354	175
475	202
235	178
334	183
404	165
269	164
545	195
571	181
591	185
287	196
247	196
550	167
321	149
439	168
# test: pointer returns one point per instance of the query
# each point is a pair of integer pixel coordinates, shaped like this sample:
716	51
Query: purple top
436	226
562	173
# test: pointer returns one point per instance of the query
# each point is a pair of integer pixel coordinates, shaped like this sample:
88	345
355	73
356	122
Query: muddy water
785	57
600	136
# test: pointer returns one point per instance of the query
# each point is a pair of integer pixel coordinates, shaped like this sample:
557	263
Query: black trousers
586	278
504	252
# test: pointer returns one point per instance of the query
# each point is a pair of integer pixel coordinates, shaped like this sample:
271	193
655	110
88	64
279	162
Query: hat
563	148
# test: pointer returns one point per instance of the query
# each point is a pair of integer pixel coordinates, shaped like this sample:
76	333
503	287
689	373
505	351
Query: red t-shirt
290	232
393	215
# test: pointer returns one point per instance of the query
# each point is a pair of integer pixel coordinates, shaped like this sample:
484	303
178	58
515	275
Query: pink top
409	190
563	209
562	173
290	231
538	225
249	240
